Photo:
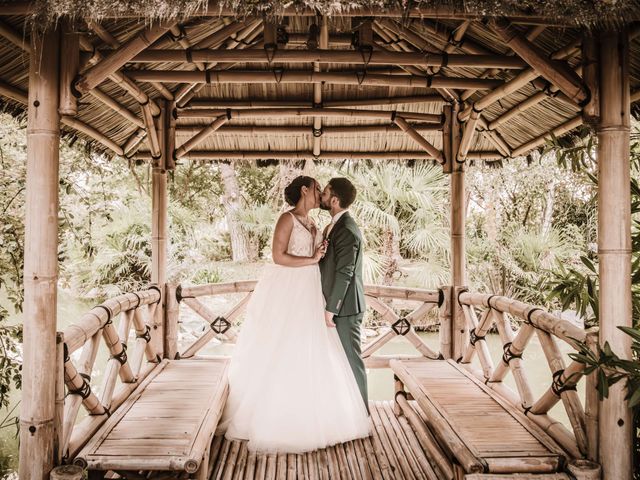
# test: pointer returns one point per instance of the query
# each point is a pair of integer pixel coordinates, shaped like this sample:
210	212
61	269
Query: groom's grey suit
343	289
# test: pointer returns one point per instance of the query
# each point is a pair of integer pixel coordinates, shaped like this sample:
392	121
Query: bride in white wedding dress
291	388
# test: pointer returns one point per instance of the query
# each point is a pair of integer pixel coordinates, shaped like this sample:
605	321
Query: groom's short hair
343	190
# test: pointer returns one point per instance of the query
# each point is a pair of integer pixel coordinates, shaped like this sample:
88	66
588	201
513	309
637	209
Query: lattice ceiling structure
352	83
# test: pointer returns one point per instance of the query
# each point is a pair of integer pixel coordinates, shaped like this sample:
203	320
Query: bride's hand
320	251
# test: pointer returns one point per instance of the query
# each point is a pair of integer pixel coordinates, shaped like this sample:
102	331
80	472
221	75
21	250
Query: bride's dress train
291	388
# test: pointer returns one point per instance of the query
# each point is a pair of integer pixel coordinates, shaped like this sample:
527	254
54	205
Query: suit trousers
349	332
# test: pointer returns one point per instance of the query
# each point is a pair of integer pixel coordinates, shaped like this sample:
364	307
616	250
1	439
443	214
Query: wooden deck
392	452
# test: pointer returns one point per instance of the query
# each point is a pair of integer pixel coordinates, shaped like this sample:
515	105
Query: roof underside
427	35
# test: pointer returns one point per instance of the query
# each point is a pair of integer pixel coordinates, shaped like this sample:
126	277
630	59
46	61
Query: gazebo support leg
614	246
159	229
37	409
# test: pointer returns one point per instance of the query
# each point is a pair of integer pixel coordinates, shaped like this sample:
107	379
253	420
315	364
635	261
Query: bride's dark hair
293	191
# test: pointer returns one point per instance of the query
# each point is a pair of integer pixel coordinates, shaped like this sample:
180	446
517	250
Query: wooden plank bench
482	431
167	423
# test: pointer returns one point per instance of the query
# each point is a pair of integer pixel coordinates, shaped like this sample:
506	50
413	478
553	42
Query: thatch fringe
570	12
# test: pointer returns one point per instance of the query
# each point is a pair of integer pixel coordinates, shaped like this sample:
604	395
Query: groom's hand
328	318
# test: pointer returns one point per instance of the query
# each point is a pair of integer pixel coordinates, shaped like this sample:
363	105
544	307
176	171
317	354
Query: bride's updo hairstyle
293	191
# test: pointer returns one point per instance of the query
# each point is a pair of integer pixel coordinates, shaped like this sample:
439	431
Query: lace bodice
302	243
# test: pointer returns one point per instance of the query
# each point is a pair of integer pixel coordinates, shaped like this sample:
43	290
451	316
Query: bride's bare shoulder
285	220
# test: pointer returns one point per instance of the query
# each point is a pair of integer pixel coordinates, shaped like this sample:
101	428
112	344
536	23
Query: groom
341	270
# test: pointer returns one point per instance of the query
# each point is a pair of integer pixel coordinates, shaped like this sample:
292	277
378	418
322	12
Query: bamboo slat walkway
392	452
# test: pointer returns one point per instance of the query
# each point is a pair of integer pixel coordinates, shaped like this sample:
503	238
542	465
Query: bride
291	388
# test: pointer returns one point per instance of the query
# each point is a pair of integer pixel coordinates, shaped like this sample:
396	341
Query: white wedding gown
291	388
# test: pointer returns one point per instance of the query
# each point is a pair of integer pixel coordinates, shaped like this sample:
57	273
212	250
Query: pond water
380	380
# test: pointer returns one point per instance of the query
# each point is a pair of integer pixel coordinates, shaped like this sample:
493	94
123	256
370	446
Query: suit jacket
341	269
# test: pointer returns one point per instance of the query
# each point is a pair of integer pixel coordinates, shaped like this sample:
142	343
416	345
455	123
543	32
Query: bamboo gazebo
448	82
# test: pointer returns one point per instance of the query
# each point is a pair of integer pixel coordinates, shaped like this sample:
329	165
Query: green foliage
10	358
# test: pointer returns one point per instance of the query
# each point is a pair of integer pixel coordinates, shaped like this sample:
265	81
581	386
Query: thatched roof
426	27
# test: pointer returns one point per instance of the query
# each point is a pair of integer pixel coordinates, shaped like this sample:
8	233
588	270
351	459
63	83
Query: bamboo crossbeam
557	73
119	79
116	348
117	107
307	130
419	139
560	130
494	137
285	103
379	57
377	343
516	83
569	397
93	133
119	57
306	112
571	376
201	136
13	93
143	346
308	76
113	366
230	316
20	40
134	142
76	383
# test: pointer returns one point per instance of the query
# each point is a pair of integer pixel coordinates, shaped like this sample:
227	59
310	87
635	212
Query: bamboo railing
482	313
109	324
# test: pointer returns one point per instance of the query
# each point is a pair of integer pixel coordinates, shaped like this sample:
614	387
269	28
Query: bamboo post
592	403
37	409
67	472
171	322
59	416
317	87
69	65
169	150
581	469
444	314
614	246
591	111
159	230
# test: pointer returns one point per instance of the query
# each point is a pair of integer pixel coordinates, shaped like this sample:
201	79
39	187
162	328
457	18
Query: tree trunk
392	256
549	201
233	203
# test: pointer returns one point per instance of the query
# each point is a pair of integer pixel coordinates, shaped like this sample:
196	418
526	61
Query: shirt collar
337	216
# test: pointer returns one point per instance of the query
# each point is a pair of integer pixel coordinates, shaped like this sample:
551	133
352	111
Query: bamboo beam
615	419
541	139
13	93
19	40
152	133
379	57
134	141
467	136
286	155
419	139
117	107
494	137
307	130
93	133
338	39
37	409
557	73
516	83
121	80
308	76
201	135
289	103
117	59
306	112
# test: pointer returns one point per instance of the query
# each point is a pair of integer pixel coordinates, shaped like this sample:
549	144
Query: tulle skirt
291	388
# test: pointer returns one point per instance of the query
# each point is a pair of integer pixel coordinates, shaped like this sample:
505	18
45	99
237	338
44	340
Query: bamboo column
159	231
37	409
614	246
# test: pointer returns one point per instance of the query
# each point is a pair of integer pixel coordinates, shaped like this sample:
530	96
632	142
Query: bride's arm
281	243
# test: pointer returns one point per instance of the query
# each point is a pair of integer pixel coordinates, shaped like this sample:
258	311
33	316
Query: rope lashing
452	41
508	355
528	320
558	385
270	51
489	301
282	36
360	75
157	289
220	325
122	356
366	52
83	390
188	55
401	326
317	132
278	73
138	302
146	335
109	314
474	337
182	33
